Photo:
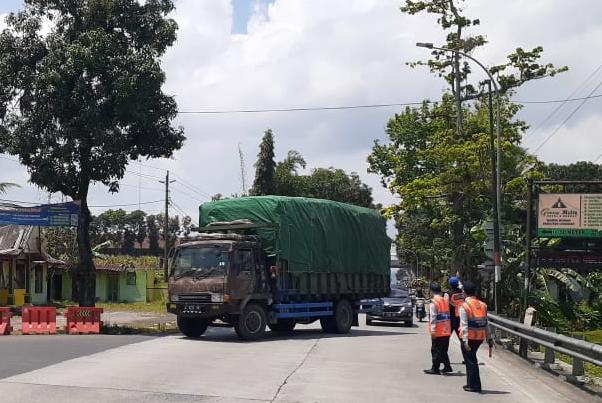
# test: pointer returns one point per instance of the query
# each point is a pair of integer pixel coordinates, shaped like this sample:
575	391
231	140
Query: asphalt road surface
371	364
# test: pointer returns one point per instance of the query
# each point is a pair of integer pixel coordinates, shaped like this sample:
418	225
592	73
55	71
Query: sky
247	54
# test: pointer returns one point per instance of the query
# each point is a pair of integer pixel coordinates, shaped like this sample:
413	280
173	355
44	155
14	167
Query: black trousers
473	379
455	325
439	346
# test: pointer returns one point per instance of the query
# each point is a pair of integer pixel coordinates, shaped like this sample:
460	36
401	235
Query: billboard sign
47	215
566	215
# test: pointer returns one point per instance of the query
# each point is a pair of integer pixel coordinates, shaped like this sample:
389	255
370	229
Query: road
371	364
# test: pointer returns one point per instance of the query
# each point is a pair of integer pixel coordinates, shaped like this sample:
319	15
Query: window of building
38	280
131	278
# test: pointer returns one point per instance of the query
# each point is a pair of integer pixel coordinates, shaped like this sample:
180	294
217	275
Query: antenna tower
243	172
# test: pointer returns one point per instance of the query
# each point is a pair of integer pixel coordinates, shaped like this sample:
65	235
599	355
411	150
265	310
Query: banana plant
577	285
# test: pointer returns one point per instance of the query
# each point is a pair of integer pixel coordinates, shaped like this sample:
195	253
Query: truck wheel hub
253	322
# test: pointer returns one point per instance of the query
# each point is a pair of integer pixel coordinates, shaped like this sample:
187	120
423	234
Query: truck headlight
217	297
174	298
403	308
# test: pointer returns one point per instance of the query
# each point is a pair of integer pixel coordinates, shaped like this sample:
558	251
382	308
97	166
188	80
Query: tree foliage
79	102
265	166
122	229
321	183
437	157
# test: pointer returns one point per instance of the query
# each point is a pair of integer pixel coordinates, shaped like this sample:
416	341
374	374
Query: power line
559	107
363	106
555	101
99	206
178	208
584	100
191	186
129	204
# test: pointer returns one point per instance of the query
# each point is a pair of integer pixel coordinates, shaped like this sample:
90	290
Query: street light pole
497	200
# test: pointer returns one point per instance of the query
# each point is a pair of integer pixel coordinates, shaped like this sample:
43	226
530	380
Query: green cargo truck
279	261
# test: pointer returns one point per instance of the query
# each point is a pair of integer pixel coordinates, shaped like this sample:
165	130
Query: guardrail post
578	369
523	348
549	354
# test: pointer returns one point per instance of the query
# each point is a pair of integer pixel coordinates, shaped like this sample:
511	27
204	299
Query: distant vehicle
397	307
278	261
420	310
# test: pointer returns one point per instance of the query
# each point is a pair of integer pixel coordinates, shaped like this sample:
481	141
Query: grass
593	336
150	307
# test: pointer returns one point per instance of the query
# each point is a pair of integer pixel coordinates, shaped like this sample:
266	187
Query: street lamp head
427	45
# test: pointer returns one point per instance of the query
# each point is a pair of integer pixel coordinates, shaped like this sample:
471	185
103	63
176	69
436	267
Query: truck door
241	277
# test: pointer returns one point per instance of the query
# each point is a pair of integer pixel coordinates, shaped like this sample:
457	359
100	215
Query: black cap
469	288
435	287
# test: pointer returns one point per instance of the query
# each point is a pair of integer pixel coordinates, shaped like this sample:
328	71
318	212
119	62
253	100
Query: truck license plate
194	308
389	314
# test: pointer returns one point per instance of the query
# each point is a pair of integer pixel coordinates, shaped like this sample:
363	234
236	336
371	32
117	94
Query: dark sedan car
396	308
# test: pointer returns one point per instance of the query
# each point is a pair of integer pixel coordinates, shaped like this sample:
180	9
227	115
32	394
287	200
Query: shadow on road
392	324
454	374
226	335
494	392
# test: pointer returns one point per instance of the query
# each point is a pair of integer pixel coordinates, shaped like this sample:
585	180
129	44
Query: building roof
18	239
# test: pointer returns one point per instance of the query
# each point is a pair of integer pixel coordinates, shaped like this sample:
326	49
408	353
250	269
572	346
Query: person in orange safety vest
440	330
474	330
456	297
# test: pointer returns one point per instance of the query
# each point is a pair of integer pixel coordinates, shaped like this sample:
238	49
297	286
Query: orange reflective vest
476	314
442	320
456	300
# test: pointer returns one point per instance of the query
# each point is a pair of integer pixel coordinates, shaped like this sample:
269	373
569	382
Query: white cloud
340	52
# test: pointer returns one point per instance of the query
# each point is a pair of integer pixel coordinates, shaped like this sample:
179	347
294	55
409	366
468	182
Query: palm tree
4	186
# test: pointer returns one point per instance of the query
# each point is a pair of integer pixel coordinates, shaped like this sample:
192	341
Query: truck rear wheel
342	320
250	325
192	327
283	325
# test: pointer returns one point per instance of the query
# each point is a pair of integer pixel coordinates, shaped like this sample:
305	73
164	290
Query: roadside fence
580	350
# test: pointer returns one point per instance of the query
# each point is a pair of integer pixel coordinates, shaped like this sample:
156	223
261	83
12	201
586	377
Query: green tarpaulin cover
313	235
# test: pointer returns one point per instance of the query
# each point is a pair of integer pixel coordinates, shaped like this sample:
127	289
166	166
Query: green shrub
586	317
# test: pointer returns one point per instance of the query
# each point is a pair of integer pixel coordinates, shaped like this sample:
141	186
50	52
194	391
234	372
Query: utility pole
494	199
166	226
497	212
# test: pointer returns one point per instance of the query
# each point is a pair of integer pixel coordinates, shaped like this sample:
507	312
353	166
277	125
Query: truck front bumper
199	309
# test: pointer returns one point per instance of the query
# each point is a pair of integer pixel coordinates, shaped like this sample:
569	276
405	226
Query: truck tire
192	327
250	325
342	320
343	317
283	325
327	325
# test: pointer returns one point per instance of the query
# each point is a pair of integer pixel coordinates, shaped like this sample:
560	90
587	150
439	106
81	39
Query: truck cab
215	277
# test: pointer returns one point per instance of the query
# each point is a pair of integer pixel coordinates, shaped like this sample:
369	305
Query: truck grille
194	297
391	308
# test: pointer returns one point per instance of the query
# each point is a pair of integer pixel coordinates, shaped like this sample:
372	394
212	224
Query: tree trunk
86	272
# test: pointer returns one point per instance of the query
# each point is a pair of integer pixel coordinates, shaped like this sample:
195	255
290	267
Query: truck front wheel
251	324
192	327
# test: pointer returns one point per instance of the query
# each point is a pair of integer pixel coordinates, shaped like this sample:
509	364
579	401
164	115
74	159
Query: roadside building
28	273
126	279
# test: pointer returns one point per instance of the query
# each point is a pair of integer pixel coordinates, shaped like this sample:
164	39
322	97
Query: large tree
265	166
79	102
437	158
284	179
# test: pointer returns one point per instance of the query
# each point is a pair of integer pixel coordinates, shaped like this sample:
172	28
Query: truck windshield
200	262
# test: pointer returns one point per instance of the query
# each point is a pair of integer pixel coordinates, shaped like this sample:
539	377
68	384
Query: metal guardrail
578	349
